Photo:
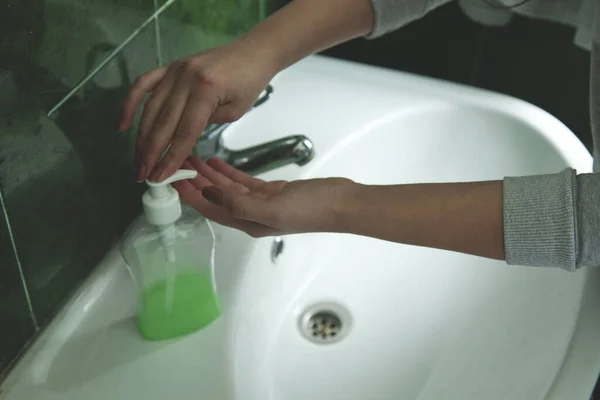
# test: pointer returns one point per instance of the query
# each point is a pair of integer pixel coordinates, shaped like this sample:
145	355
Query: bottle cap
161	202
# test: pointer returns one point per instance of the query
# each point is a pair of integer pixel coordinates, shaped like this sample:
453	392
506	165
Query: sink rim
573	151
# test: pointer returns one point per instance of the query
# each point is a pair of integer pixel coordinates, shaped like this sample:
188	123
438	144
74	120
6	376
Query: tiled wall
67	180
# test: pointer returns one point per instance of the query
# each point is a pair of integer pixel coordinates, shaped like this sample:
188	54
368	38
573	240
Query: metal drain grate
323	325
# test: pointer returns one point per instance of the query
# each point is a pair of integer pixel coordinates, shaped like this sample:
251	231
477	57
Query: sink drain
324	324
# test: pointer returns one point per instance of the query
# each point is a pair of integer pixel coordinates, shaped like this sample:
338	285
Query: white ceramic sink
409	323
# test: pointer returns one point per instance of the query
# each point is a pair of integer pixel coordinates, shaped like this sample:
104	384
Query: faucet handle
214	131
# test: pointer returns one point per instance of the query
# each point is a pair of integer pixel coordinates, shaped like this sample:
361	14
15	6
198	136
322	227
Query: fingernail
155	174
159	173
141	173
213	194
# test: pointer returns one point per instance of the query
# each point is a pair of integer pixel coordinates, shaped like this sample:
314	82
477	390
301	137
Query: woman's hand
465	217
216	86
232	198
220	85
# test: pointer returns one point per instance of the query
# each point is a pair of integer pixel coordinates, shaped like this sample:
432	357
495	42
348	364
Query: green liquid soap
193	306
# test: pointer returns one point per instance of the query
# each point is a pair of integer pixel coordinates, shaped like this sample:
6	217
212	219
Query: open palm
233	198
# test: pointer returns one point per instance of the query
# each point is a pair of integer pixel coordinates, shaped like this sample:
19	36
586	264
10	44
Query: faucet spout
296	149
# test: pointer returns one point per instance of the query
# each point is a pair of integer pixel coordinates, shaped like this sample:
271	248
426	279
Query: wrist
262	51
348	206
379	211
465	217
283	38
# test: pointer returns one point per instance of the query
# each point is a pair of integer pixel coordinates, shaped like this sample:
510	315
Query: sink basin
341	317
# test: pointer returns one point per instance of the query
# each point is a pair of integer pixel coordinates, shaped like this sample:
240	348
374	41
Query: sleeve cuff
539	220
390	15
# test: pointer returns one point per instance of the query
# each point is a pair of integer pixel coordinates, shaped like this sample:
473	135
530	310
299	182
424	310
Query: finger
187	165
243	206
143	84
161	133
199	182
156	101
194	198
197	111
215	177
151	109
221	180
234	174
191	195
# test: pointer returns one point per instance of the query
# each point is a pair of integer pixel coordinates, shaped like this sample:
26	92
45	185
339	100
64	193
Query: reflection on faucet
297	149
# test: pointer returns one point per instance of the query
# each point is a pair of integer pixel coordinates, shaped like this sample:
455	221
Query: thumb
241	206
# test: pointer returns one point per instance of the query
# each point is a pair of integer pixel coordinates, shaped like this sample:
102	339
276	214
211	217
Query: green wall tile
190	26
68	180
16	319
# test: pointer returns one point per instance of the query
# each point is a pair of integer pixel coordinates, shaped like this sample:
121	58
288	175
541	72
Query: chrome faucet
297	149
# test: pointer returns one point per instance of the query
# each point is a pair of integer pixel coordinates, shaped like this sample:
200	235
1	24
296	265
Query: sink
341	317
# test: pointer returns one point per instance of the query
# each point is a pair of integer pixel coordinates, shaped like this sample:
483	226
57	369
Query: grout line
262	10
19	265
110	57
159	55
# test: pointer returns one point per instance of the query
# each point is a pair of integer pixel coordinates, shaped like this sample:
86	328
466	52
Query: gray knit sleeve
393	14
552	220
549	220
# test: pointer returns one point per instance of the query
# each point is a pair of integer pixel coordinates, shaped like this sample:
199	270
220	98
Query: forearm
304	27
462	217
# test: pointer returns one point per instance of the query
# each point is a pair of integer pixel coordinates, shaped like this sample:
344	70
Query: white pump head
161	201
162	208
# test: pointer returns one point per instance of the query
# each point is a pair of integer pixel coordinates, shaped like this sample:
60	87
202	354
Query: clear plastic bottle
170	254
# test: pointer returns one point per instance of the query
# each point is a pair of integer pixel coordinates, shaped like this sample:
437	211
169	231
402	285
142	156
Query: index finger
193	197
234	174
143	85
193	121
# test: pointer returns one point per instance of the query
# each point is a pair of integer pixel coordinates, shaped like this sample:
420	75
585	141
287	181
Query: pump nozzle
162	207
160	190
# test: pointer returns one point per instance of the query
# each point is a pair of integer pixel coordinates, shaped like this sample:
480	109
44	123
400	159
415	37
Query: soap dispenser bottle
170	255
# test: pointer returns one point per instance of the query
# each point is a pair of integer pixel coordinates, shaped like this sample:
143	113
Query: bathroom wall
67	179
